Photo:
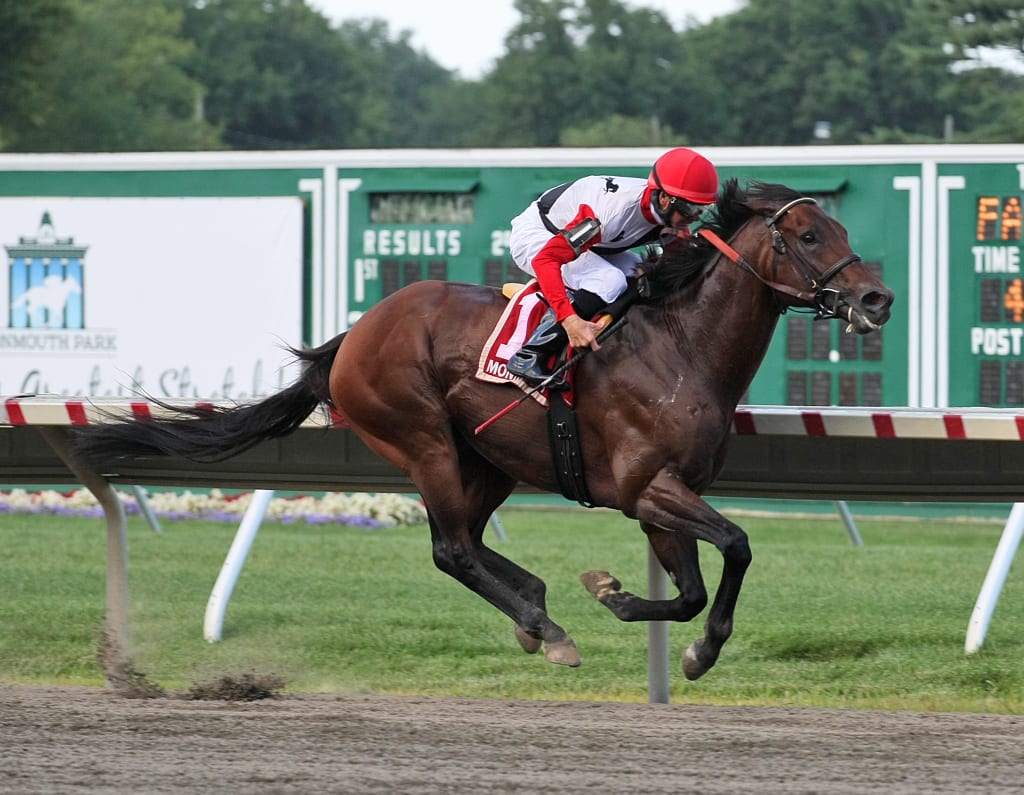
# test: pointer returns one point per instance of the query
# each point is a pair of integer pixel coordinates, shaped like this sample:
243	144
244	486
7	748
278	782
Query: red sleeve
547	267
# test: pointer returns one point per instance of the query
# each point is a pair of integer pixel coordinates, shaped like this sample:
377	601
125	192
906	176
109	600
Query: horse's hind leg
491	487
679	557
458	505
528	585
483	572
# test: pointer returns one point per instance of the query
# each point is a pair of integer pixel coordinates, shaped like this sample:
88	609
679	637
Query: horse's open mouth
861	323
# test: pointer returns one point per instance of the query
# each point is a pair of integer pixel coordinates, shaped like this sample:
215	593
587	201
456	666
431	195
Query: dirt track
59	740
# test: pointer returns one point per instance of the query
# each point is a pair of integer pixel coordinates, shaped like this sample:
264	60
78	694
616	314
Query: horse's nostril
877	300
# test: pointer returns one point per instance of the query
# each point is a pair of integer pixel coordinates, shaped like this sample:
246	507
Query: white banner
170	297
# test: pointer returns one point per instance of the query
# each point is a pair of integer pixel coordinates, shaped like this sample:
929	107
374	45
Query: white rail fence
837	454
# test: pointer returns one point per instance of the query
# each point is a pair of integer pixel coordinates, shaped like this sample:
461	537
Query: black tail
212	434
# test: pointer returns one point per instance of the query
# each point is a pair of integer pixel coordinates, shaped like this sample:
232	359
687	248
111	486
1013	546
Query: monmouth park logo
46	278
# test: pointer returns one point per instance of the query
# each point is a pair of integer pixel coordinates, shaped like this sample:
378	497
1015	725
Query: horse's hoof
693	667
563	652
530	644
601	584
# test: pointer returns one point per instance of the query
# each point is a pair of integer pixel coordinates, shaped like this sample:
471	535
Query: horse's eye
809	238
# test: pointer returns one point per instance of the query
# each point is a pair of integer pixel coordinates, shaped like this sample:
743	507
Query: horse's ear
652	253
730	192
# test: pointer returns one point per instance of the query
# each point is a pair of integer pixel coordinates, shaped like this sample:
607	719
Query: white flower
386	510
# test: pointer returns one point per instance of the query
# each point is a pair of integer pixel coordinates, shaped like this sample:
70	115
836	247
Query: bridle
824	300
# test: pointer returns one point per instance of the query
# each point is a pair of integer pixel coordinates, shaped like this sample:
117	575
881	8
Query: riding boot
530	361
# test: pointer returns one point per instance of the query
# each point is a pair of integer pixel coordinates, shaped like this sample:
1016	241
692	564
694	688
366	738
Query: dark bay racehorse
655	406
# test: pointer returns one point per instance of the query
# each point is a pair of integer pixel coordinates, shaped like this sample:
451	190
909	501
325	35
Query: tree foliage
971	25
276	76
29	43
79	75
618	130
775	68
120	83
981	44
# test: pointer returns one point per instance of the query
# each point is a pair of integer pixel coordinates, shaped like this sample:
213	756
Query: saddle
520	317
517	322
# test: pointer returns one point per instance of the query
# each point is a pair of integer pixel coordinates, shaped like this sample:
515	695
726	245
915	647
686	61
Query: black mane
681	261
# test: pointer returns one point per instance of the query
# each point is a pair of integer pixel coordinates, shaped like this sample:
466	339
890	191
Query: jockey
579	235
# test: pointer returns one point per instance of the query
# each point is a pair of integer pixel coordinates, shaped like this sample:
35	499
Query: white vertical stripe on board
945	185
913	187
929	283
345	187
329	295
315	189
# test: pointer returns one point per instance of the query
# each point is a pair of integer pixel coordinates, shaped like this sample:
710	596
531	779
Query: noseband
825	300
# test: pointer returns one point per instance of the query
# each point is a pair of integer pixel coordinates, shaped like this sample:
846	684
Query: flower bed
371	511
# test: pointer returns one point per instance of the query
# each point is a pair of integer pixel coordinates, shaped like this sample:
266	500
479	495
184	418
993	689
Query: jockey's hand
582	333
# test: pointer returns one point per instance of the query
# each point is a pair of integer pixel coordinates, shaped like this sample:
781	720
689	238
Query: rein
824	300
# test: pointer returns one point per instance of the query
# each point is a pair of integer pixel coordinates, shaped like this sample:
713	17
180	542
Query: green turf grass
820	622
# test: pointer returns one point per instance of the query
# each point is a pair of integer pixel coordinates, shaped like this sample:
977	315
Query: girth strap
566	453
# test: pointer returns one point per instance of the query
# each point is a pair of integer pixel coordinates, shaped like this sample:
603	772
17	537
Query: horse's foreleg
703	653
678	556
675	509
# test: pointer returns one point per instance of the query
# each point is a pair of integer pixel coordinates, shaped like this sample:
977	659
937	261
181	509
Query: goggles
690	211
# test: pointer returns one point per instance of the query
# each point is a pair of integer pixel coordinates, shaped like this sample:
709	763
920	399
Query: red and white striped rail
985	424
882	423
35	410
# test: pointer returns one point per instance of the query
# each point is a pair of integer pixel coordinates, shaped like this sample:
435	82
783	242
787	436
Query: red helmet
683	173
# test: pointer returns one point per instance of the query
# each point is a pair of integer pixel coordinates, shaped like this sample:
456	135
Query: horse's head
805	257
787	242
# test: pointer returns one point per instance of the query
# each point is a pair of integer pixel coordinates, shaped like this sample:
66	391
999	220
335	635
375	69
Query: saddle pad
511	332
